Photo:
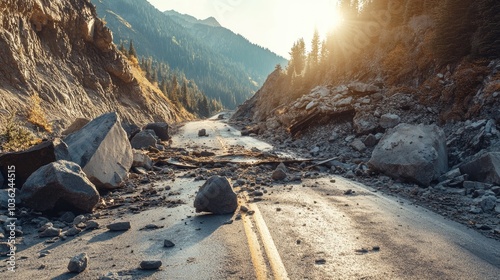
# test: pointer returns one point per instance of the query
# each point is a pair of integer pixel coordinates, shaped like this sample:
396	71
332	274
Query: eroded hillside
62	52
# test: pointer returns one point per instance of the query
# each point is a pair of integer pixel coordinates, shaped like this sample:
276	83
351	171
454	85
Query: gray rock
278	175
216	196
450	175
78	263
78	124
67	217
483	168
61	185
475	210
91	225
144	139
358	145
413	152
29	161
50	232
334	136
141	159
497	208
202	132
119	226
160	129
168	243
487	203
370	140
389	120
72	231
79	219
150	265
103	151
364	123
470	185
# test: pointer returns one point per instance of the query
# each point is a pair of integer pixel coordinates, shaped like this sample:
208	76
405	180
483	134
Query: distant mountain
225	66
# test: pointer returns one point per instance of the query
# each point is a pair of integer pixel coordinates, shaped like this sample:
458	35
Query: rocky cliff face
61	51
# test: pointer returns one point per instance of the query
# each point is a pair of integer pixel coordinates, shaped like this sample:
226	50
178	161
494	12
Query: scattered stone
348	192
389	120
364	123
483	168
50	232
160	129
91	225
487	203
243	209
278	175
67	217
78	124
72	231
216	196
376	248
320	261
202	132
168	243
358	145
103	151
370	140
452	174
144	140
78	263
60	185
44	253
79	219
483	227
141	159
29	161
414	152
150	265
119	226
257	193
131	129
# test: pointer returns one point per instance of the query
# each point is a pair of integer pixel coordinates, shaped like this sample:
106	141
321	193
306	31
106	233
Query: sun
329	19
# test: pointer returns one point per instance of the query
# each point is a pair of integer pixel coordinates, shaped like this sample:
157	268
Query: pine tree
131	49
297	59
314	54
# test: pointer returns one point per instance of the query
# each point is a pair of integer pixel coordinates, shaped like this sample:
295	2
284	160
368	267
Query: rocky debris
79	219
202	132
141	159
77	124
103	151
67	217
160	129
358	145
60	185
91	225
27	162
280	173
364	123
483	168
216	196
119	226
144	140
168	243
389	120
150	265
78	263
487	203
72	231
50	231
131	129
370	140
412	152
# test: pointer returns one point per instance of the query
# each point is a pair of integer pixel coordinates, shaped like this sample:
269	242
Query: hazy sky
274	24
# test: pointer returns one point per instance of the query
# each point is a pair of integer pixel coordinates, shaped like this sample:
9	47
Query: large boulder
216	196
27	162
60	185
144	139
412	152
483	168
103	151
160	129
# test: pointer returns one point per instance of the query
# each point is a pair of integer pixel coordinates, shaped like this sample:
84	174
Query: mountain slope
63	53
161	37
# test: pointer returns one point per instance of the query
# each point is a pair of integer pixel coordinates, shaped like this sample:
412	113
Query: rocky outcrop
483	168
27	162
103	151
63	52
412	152
216	196
61	185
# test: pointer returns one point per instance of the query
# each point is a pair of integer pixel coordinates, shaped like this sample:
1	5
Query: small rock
358	145
243	209
78	263
320	261
370	140
389	120
79	219
202	133
257	193
150	265
50	232
67	217
119	226
278	175
348	192
168	243
72	231
91	225
488	203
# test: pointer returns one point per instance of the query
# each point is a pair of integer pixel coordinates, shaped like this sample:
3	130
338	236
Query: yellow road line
257	257
279	271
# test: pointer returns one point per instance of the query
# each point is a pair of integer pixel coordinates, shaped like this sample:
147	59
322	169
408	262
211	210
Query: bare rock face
413	152
27	162
484	168
102	149
216	196
61	185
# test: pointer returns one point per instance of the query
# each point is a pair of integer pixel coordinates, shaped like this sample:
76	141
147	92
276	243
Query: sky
273	24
